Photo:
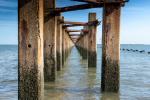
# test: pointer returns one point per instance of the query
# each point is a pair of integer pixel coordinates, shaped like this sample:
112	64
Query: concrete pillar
59	43
92	48
30	72
110	48
50	43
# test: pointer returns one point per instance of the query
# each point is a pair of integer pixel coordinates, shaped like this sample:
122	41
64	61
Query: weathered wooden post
110	48
30	72
63	45
85	55
92	48
50	43
59	43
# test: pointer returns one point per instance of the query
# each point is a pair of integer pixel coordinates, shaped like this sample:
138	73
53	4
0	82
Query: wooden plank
103	1
70	22
88	1
50	44
63	46
73	8
83	31
73	24
59	43
92	48
111	48
30	67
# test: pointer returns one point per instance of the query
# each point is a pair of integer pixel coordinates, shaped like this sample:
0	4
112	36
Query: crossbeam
74	34
73	8
73	24
91	4
88	1
84	31
103	1
70	22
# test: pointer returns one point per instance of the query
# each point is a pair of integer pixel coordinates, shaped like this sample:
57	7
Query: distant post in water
111	48
59	43
30	72
50	24
92	48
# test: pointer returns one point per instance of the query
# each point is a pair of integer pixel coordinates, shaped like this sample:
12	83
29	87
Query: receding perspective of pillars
63	46
67	44
92	48
50	23
30	72
82	44
59	43
85	42
110	48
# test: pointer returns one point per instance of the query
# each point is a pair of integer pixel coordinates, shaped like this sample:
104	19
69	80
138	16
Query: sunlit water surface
78	82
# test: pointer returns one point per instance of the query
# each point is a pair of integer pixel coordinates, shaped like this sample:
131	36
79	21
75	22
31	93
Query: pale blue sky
135	20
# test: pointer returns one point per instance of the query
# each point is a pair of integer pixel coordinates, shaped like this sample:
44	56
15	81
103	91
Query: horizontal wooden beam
88	1
103	1
84	31
73	24
70	22
74	34
73	8
91	4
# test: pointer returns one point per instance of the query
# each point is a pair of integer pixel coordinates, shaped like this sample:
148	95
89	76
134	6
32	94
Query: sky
135	20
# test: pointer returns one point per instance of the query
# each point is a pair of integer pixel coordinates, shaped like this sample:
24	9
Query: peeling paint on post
110	48
92	48
50	23
59	43
30	62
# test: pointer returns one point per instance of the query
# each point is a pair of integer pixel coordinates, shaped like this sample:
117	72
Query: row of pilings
86	44
44	45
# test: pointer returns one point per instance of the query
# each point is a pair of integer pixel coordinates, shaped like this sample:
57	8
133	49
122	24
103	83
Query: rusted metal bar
30	56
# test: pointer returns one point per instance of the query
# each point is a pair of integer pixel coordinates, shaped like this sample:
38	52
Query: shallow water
78	82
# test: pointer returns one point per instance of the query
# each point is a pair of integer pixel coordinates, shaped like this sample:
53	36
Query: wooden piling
30	62
110	48
63	46
50	43
85	45
59	43
92	48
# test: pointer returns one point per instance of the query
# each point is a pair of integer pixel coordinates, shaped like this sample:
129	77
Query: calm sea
78	82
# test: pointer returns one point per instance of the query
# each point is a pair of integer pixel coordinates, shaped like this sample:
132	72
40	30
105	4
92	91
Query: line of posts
44	46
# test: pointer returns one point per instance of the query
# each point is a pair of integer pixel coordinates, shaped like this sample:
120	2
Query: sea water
78	82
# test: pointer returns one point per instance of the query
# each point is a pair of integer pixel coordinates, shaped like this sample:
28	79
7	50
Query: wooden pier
45	42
